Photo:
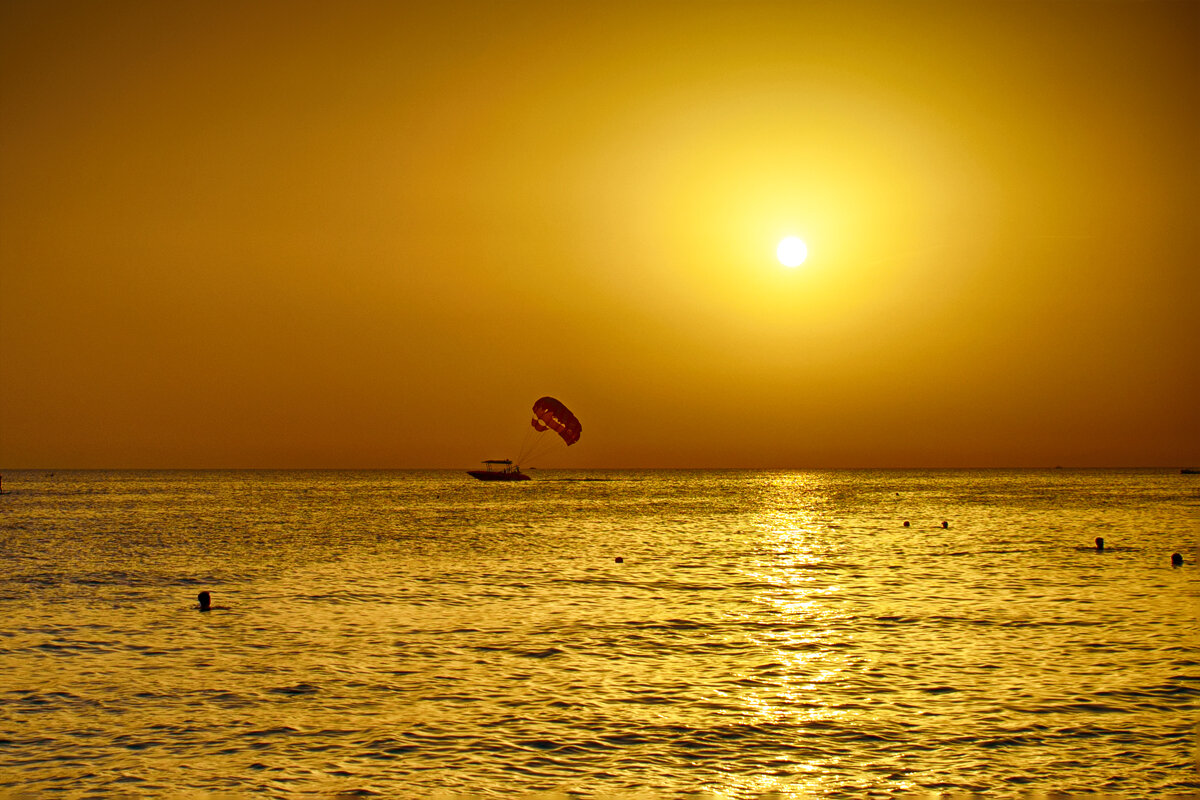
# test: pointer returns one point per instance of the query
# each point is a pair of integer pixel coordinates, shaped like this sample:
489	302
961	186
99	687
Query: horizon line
586	469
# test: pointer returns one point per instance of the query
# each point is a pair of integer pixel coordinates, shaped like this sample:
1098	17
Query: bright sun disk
791	251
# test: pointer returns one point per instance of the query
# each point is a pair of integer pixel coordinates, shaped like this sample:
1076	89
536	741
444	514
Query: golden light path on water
792	572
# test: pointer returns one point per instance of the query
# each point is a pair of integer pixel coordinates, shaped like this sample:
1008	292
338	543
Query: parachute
550	414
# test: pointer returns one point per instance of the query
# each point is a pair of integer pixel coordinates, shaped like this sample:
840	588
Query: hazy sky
370	235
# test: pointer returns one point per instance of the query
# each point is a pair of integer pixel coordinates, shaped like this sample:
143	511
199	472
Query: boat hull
485	475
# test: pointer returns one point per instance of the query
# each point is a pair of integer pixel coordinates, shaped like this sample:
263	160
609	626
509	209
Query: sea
760	635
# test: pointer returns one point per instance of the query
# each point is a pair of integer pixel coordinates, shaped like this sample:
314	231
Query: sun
791	251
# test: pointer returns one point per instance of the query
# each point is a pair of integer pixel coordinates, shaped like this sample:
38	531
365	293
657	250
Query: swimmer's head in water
1176	560
1099	542
205	601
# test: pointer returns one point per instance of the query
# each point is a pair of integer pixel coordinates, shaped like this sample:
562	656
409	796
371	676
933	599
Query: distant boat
548	415
1189	472
498	469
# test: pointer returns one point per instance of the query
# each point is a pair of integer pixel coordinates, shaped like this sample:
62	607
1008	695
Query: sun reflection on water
801	651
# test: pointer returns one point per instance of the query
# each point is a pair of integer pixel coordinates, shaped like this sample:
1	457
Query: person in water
1176	560
206	602
1099	544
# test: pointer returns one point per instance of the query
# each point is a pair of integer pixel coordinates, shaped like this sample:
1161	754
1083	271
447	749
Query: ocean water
767	635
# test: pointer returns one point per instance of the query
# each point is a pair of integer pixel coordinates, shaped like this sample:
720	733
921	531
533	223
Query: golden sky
371	235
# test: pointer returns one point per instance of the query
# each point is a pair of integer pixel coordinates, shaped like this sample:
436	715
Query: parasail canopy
550	414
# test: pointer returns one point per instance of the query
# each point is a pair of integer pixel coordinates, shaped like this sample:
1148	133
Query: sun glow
791	251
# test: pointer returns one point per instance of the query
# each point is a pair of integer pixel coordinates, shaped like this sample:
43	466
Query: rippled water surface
768	634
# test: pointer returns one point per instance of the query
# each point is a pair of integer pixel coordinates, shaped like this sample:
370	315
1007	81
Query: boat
498	469
1189	472
548	415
